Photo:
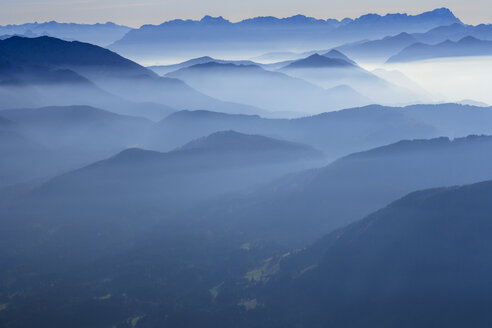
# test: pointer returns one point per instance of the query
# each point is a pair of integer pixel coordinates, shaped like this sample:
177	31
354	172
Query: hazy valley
265	172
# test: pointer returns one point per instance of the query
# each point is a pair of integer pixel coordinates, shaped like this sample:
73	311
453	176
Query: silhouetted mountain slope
328	73
77	56
128	202
164	69
234	141
81	128
200	170
336	133
381	49
214	36
332	54
33	86
37	86
373	25
119	84
250	84
468	46
318	61
422	261
300	208
455	32
100	34
184	126
453	120
335	54
219	37
57	139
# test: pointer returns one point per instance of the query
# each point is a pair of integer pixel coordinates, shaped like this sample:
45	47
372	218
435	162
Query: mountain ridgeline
270	172
405	265
215	35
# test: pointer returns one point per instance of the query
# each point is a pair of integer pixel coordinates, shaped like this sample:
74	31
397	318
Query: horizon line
240	20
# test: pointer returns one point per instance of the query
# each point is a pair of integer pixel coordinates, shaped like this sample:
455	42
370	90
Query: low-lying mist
451	79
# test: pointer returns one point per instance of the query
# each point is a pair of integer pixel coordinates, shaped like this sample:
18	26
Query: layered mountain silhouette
381	50
218	36
164	69
318	61
51	52
371	26
81	127
455	32
136	178
252	85
335	54
67	243
300	208
420	261
336	133
63	138
104	79
468	46
201	194
99	34
329	72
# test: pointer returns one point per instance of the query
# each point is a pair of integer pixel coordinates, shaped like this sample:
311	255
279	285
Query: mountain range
298	209
419	261
252	85
217	262
83	134
468	46
84	74
142	178
99	34
165	69
380	50
336	133
301	188
216	36
331	72
58	139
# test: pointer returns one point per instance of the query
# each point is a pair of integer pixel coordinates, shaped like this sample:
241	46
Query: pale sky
135	13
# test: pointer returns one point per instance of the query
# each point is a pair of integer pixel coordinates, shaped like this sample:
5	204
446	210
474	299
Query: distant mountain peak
467	46
202	58
317	60
210	19
218	65
336	54
133	154
225	139
204	114
444	14
442	11
230	140
401	36
468	39
50	51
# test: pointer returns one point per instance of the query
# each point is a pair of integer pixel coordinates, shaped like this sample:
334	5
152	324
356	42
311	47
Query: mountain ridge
412	258
209	36
467	46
